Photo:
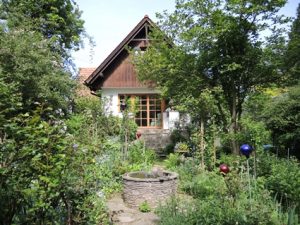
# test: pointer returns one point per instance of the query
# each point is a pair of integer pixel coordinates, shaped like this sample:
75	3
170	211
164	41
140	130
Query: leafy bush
282	178
254	132
204	185
283	119
218	201
172	161
178	135
140	154
145	207
188	169
44	177
50	175
89	124
181	147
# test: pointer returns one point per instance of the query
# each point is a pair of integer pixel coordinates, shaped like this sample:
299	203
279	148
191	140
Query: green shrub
145	207
89	124
188	169
49	179
138	153
172	161
282	178
219	207
181	147
205	185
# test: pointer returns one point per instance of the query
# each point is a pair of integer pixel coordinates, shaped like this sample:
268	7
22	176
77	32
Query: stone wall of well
156	139
153	190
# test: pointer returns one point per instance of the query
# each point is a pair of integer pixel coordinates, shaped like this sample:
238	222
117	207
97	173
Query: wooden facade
121	74
117	70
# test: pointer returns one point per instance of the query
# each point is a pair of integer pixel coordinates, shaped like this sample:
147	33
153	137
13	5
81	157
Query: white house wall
111	98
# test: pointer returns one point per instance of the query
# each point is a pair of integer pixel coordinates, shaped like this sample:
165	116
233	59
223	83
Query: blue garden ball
246	149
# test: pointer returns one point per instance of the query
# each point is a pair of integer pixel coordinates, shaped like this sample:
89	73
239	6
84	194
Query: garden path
120	214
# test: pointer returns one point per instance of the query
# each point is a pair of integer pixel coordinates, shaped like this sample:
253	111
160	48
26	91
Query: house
117	80
82	90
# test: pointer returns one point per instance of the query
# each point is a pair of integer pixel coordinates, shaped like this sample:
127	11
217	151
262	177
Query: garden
62	157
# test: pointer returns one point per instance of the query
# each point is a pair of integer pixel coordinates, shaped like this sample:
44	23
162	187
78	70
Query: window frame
158	122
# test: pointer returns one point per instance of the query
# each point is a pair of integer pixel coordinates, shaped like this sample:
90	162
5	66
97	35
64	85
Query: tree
58	20
32	72
282	116
292	58
217	44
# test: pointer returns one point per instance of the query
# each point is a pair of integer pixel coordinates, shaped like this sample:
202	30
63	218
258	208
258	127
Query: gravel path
120	214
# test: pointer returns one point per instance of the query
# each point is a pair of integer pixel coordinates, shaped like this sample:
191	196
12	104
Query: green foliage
172	161
56	20
254	133
204	185
10	101
49	175
282	177
140	155
236	198
89	124
128	128
177	135
291	58
43	81
145	207
91	130
181	147
256	103
219	200
187	168
36	157
217	48
282	117
219	211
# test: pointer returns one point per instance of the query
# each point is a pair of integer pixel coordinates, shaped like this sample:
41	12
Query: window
148	109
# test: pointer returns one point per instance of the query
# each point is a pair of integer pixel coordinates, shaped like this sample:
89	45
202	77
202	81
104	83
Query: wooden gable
117	70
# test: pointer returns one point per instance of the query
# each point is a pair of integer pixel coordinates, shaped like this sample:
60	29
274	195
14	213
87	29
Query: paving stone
126	218
122	215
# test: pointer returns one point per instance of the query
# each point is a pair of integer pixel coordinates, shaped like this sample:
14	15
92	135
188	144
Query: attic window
138	50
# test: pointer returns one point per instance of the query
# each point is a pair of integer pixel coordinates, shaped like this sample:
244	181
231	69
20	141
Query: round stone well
153	187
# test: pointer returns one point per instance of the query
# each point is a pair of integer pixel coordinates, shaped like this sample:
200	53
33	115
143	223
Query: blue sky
109	21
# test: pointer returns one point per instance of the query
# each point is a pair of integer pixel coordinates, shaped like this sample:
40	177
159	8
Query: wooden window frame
148	110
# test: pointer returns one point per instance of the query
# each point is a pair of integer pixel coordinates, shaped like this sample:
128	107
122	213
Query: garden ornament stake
246	151
123	108
138	135
224	169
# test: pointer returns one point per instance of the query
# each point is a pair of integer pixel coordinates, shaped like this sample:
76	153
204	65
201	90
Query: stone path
120	214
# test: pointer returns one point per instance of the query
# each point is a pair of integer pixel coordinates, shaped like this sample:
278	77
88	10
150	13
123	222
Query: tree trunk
214	143
202	142
69	210
233	129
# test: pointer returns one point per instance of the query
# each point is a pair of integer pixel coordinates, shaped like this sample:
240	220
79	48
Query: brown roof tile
84	73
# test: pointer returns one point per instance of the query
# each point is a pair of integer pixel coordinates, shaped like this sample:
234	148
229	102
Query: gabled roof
98	72
84	73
